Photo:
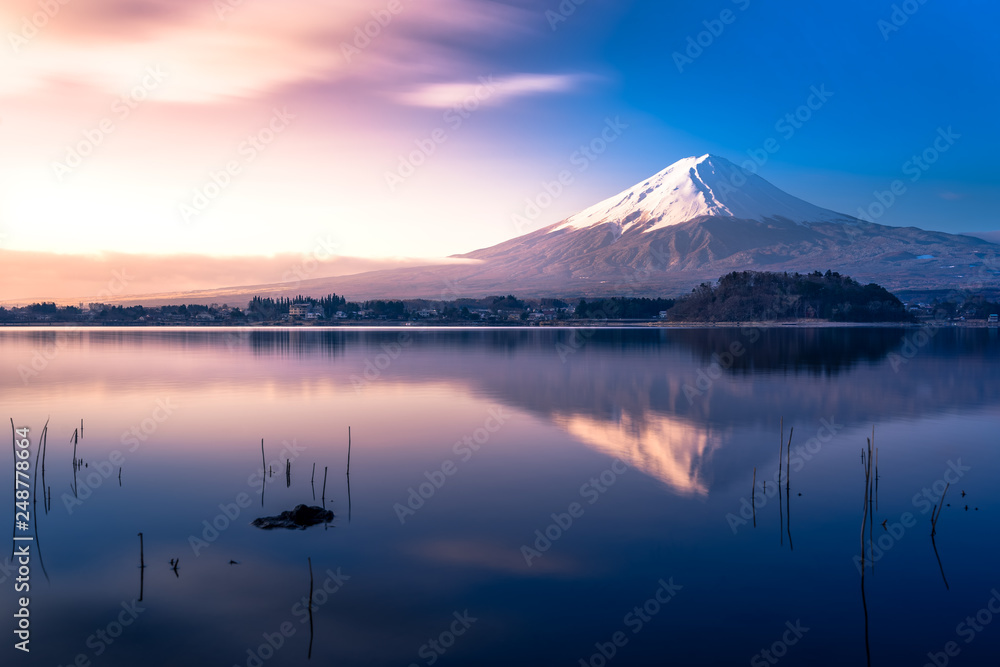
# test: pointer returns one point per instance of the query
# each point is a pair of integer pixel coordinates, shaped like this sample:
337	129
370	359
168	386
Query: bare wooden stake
788	459
781	444
309	657
934	516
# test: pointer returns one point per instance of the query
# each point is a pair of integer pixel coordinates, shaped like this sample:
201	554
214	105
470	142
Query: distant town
737	297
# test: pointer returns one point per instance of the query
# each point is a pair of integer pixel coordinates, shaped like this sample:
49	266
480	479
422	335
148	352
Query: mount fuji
697	187
702	217
696	220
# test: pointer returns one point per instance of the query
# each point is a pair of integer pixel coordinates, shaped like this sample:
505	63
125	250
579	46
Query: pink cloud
237	49
37	276
486	90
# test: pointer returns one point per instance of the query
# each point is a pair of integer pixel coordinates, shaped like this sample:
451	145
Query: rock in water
299	518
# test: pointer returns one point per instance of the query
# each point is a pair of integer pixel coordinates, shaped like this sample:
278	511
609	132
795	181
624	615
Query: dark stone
299	518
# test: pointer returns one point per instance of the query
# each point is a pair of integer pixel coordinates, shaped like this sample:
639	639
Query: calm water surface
516	497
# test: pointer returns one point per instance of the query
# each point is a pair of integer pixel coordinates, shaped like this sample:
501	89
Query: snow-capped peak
699	186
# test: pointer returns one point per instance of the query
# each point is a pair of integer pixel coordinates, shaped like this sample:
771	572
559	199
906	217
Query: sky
151	137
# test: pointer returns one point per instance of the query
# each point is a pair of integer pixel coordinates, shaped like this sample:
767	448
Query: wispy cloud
249	49
100	45
487	90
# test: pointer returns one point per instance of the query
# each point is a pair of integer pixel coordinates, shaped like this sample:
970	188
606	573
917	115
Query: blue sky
892	88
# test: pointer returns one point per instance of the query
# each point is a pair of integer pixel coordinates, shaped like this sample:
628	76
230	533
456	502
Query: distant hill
755	296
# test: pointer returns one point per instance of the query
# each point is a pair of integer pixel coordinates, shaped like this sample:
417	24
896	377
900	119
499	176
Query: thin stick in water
309	657
325	468
864	520
348	450
13	449
788	460
38	455
781	444
934	517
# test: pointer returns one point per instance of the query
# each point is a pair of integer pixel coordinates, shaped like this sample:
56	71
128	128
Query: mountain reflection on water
657	398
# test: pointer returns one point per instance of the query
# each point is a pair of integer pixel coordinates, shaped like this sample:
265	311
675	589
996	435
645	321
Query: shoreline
581	324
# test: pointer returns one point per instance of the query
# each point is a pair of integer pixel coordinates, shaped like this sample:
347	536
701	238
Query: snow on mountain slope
699	186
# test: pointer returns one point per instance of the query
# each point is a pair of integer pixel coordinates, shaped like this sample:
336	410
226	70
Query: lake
515	496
